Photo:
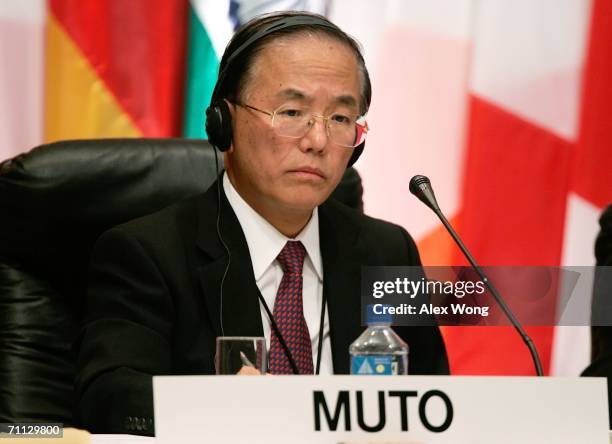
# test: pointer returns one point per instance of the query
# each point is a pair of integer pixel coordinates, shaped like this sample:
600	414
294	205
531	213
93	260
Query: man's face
278	173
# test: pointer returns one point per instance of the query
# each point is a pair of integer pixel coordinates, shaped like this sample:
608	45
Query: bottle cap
378	314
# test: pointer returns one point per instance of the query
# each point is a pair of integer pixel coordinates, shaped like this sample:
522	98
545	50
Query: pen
245	360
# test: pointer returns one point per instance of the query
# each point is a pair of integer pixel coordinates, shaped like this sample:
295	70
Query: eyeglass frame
326	119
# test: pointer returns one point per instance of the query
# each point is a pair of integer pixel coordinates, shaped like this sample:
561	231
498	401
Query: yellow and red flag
114	68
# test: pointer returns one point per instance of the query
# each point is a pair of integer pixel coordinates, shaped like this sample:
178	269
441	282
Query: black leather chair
54	203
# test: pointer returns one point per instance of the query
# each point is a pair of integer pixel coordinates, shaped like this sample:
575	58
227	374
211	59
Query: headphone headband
276	25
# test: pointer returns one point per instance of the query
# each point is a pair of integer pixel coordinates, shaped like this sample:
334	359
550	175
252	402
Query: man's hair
234	80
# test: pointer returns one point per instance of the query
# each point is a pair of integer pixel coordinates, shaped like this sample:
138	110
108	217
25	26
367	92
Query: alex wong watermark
411	288
543	296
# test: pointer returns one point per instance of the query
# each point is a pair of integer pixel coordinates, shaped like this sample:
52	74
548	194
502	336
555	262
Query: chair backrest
54	203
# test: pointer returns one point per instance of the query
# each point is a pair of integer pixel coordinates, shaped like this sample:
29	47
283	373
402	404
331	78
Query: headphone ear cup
357	152
219	125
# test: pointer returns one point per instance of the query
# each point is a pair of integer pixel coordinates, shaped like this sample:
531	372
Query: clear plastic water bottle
379	350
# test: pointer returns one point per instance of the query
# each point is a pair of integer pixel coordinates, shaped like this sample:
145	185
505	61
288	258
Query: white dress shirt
265	243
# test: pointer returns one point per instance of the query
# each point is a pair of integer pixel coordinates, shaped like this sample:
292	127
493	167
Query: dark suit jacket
601	333
154	302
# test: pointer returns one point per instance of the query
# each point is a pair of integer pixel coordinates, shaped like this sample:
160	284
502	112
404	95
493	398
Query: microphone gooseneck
421	187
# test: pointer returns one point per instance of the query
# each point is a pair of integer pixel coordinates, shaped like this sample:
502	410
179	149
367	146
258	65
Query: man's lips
308	170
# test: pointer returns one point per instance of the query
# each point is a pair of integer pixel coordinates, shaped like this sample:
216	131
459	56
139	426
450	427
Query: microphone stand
420	186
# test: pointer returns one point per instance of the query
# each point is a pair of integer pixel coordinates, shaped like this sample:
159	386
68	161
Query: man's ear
232	110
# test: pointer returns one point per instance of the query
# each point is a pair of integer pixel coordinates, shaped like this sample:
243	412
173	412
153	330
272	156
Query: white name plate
380	409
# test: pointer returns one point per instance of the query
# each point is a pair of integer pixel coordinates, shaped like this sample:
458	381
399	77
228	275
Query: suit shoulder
350	215
376	234
165	225
389	235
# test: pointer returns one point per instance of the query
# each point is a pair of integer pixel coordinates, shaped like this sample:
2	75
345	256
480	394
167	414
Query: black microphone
420	186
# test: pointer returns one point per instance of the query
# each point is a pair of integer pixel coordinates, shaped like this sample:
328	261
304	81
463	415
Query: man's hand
249	371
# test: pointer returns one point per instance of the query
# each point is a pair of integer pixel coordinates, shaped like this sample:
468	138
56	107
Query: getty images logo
343	410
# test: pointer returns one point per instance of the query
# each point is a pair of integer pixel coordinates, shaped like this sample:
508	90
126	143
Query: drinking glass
236	352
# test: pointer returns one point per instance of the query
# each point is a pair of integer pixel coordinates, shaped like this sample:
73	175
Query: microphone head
416	181
421	187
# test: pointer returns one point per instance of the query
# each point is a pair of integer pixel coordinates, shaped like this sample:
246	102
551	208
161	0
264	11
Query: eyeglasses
295	122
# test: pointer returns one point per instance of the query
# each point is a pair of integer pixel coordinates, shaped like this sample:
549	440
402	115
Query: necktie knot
291	258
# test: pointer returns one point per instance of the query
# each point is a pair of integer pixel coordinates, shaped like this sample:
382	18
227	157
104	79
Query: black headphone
218	116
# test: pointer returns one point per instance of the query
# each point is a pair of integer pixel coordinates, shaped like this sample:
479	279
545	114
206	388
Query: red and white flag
505	106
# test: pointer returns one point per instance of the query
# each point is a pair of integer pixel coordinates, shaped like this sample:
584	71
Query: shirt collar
264	241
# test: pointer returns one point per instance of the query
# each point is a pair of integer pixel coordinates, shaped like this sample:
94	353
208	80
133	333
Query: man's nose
316	137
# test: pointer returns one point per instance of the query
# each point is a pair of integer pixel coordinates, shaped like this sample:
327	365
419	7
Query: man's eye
291	113
341	119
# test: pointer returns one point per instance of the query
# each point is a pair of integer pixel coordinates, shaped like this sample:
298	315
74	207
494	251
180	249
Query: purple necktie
289	315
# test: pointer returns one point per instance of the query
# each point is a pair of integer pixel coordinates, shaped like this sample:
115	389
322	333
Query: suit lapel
342	258
240	304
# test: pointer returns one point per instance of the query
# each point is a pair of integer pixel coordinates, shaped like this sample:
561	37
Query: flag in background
523	118
22	37
114	68
245	10
504	105
210	29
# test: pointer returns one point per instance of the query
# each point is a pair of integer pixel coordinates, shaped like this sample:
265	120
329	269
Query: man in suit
288	112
